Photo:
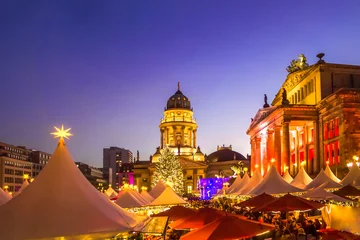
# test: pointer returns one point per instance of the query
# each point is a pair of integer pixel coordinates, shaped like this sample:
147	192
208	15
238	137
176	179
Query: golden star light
62	133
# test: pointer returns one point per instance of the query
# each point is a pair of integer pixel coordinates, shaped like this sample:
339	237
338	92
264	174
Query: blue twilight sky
107	68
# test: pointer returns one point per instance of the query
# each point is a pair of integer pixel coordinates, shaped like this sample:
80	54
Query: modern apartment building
113	158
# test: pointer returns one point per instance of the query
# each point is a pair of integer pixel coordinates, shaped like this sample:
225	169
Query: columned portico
285	145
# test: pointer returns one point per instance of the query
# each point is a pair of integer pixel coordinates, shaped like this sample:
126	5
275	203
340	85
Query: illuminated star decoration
62	133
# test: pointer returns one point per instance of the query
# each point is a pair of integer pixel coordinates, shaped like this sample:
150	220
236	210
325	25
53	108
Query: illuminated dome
178	100
224	154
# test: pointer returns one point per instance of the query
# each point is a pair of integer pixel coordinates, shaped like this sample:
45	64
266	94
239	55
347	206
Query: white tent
322	178
110	192
23	186
140	198
302	179
234	185
168	197
254	181
273	183
287	177
129	200
320	193
158	189
4	197
145	194
330	174
353	176
244	183
61	202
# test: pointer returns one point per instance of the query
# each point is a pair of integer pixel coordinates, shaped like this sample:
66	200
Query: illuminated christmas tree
169	170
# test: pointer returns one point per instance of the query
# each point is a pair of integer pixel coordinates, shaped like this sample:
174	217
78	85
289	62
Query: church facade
178	131
313	120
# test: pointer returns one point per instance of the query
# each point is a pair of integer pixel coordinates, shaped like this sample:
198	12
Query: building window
326	131
189	189
189	177
301	140
295	98
306	90
292	99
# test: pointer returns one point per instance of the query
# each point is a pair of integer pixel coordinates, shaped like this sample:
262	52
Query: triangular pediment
261	115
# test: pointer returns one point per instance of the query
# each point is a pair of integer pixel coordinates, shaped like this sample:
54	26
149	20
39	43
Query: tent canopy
228	227
287	177
287	203
320	193
348	190
273	183
4	197
158	189
245	181
110	192
176	213
255	180
168	197
145	194
330	174
129	200
256	201
353	176
69	205
234	186
322	178
302	179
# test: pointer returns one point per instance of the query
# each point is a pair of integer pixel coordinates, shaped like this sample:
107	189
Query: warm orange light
31	180
295	164
286	167
272	160
26	176
246	169
256	166
349	165
62	133
6	187
303	163
355	158
143	188
327	162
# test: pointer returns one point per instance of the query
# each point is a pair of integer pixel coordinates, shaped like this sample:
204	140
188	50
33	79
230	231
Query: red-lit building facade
313	119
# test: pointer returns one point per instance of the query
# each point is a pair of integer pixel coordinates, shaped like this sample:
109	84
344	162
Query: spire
178	86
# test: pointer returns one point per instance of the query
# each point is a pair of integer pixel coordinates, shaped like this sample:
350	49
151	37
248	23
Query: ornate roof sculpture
299	64
178	100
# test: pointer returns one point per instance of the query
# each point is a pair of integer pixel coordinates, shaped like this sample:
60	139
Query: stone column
253	155
277	148
182	136
285	145
190	138
258	151
162	139
318	163
270	146
195	138
306	147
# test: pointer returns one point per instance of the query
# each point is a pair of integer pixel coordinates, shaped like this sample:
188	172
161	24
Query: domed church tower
178	129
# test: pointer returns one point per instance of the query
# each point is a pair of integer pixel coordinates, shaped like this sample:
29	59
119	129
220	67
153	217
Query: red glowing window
336	127
331	128
302	156
312	135
293	158
326	131
311	154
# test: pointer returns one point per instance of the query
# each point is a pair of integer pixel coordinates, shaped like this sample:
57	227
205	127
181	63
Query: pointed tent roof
320	193
69	205
273	183
322	178
353	176
287	177
145	194
244	183
348	190
23	186
158	189
4	197
255	180
110	192
140	197
233	186
168	197
129	200
330	174
302	179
